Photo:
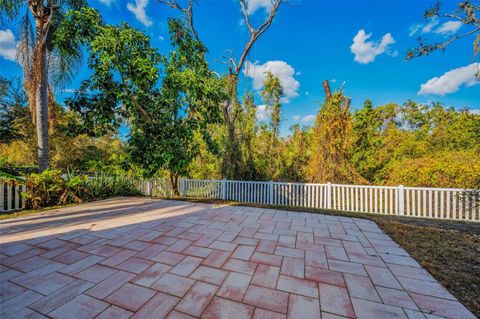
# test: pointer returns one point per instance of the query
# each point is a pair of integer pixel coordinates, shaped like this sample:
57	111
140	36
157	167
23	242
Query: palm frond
25	54
26	44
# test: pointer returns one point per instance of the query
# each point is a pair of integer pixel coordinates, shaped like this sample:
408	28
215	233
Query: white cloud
429	26
138	9
254	5
309	119
449	27
261	113
414	29
452	80
446	28
161	38
8	45
393	54
106	2
366	51
280	69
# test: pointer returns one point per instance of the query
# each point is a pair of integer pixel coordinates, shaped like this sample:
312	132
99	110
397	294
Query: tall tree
12	101
125	69
368	126
331	141
37	54
185	106
233	162
164	118
296	154
272	94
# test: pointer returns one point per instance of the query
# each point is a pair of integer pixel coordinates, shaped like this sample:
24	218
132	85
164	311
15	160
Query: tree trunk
174	183
41	105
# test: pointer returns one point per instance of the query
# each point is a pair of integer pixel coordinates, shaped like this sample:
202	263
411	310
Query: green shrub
102	186
50	188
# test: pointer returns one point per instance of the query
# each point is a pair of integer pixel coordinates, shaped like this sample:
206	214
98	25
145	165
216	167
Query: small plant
102	186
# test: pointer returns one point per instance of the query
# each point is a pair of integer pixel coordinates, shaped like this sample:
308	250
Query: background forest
185	119
411	144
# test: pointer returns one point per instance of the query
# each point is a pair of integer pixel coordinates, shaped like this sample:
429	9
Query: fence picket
409	201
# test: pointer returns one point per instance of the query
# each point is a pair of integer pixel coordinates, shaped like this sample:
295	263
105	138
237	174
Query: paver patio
140	258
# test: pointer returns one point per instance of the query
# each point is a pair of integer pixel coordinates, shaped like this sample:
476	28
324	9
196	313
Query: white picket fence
10	196
437	203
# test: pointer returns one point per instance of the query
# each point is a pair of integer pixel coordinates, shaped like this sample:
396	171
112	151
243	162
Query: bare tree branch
254	33
426	49
443	45
466	13
326	88
188	12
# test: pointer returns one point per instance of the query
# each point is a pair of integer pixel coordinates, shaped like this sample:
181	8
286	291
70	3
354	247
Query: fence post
224	189
401	200
2	196
149	188
183	189
9	197
329	195
270	193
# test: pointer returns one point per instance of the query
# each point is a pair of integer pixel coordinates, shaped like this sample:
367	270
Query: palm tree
44	64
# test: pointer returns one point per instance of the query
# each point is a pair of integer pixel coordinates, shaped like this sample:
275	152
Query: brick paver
138	258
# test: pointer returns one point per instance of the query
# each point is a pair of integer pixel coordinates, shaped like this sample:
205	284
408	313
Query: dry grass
449	250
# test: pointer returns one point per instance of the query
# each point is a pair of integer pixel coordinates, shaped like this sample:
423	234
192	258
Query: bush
50	188
102	186
444	169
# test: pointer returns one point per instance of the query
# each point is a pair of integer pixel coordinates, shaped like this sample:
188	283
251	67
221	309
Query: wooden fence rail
437	203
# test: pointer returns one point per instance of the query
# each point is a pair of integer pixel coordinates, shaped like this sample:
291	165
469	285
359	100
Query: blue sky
311	41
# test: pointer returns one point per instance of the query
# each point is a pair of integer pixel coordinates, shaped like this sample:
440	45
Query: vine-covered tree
331	141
